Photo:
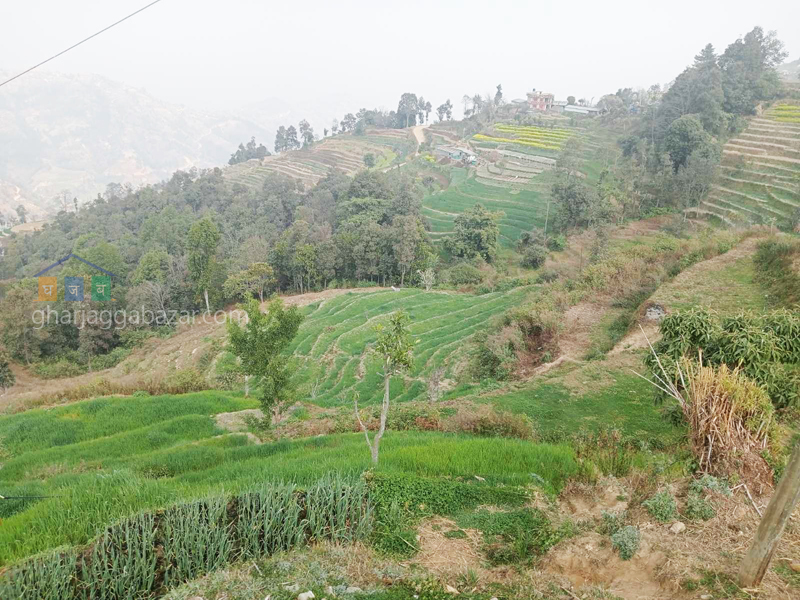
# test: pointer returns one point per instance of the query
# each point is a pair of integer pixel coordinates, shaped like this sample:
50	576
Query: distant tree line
248	152
670	157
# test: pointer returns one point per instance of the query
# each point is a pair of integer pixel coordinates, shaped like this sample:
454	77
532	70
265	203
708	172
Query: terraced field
344	152
524	206
759	178
527	136
332	345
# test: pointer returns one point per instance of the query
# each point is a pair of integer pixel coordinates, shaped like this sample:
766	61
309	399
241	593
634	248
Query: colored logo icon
73	289
74	286
48	289
101	288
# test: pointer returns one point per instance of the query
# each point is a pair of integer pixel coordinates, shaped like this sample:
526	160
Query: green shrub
58	369
463	274
612	522
547	276
698	508
534	256
662	507
710	483
557	243
184	381
503	424
765	346
626	541
515	536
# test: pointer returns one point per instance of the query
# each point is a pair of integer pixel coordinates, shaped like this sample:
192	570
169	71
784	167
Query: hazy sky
225	54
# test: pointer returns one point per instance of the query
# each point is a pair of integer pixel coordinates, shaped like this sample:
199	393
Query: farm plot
343	152
759	178
538	138
523	206
332	347
113	465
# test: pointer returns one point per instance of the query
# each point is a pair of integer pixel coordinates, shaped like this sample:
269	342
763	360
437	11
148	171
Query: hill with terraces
514	172
759	177
344	152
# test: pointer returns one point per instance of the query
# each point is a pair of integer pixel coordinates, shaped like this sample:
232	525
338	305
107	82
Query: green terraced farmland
332	346
110	465
523	208
759	178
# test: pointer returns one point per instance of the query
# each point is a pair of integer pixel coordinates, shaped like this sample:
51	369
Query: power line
79	43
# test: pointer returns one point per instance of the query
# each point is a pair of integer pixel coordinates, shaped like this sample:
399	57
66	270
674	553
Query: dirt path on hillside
419	134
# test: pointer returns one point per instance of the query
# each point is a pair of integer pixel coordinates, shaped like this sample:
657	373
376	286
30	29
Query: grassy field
726	283
124	455
591	398
523	209
332	345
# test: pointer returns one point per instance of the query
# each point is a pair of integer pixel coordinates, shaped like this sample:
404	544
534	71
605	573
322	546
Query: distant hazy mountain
790	70
81	132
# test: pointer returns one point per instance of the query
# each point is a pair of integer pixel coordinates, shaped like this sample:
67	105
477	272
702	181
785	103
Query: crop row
529	129
485	138
147	554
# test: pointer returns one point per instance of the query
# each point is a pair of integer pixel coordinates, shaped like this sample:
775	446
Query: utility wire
79	43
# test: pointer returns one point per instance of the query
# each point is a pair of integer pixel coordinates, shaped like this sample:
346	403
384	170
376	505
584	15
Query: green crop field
124	455
332	345
523	209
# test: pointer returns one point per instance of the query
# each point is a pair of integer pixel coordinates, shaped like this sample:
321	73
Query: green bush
59	369
710	483
626	541
463	274
612	522
557	243
765	346
534	256
515	536
184	381
698	508
662	507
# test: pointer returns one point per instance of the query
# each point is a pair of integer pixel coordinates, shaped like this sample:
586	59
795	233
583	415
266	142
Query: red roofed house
541	101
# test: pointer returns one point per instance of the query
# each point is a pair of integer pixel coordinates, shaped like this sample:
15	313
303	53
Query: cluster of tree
710	97
248	152
671	156
197	242
411	110
286	138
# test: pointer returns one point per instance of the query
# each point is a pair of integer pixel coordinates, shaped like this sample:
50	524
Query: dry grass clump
731	419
